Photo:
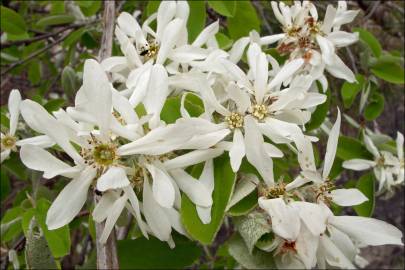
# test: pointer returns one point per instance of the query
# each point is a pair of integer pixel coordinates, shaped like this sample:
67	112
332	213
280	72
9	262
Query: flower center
324	191
259	111
100	155
151	51
380	161
8	142
273	192
234	120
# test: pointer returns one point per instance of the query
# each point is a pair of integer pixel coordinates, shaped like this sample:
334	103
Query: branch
106	253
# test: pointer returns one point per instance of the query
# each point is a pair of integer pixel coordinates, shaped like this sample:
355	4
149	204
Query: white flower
315	41
10	141
388	169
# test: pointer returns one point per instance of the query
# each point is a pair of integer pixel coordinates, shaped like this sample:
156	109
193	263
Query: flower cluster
116	144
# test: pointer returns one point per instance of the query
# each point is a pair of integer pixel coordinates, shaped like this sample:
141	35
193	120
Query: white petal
193	188
306	246
175	220
348	197
114	178
267	40
236	52
39	159
165	13
169	38
329	18
163	190
327	48
261	78
14	101
358	164
154	215
112	217
272	151
4	155
240	97
128	24
371	146
297	182
192	158
312	215
284	218
331	147
368	231
255	151
244	187
286	71
103	206
339	70
333	255
342	38
237	151
400	145
42	141
236	73
70	200
206	34
135	205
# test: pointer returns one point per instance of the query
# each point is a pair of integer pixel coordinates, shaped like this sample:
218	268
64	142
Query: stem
106	253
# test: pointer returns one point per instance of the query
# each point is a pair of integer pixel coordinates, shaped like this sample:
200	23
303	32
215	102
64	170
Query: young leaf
142	253
12	22
224	184
366	186
388	70
349	148
257	260
251	228
243	207
225	8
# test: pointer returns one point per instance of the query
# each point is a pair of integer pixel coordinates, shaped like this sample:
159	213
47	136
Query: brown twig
106	253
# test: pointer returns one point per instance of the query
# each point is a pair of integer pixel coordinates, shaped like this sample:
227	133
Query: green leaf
26	220
69	81
375	107
366	186
384	68
257	260
89	8
251	228
37	253
142	253
171	110
243	207
152	7
225	8
14	165
54	104
244	21
55	20
350	148
34	72
224	185
74	37
11	224
12	22
349	91
370	40
59	239
319	115
196	19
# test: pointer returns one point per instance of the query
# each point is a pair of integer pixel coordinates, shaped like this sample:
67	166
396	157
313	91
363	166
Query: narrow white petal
70	200
331	147
154	215
112	217
128	24
400	145
42	141
240	97
255	151
193	188
14	101
327	48
358	164
169	39
368	231
192	158
237	151
261	78
371	146
284	218
103	206
114	178
333	255
312	215
135	205
4	155
39	159
163	190
339	70
348	197
342	38
244	187
206	34
286	71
